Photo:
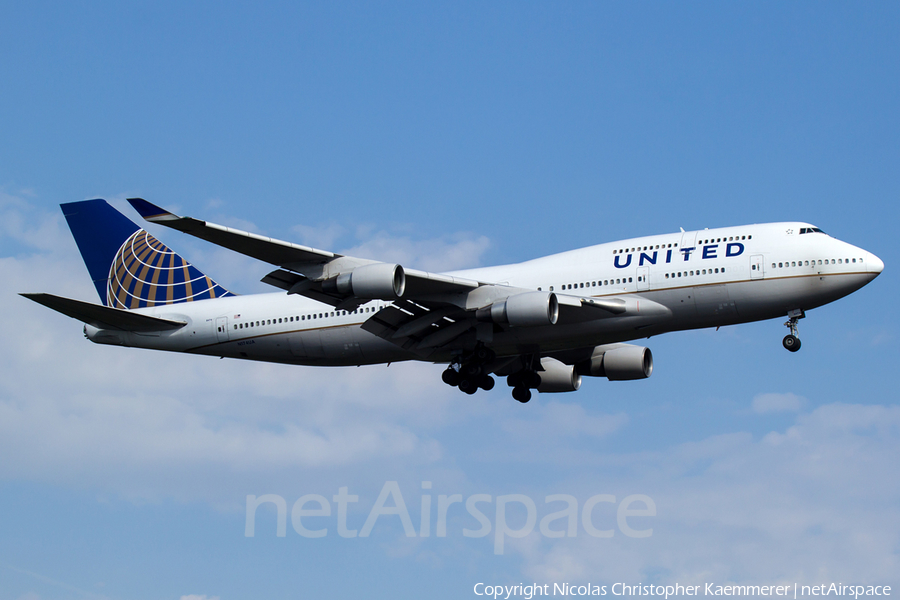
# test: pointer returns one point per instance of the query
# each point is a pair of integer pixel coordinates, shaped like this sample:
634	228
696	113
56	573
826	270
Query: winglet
151	212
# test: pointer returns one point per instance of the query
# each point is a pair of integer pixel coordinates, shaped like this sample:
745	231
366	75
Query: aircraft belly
771	298
342	346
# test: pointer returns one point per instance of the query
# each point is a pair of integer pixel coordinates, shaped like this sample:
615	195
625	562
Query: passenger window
839	261
235	326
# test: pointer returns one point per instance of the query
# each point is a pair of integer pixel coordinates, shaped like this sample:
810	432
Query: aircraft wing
276	252
422	327
103	317
311	264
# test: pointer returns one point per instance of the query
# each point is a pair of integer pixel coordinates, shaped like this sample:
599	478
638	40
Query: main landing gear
792	340
522	382
469	372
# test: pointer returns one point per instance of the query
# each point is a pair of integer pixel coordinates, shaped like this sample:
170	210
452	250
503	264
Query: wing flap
103	317
423	283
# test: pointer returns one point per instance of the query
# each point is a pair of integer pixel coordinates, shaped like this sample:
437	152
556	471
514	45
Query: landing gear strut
792	340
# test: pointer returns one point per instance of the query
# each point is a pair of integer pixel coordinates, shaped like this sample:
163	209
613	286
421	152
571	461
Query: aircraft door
756	267
222	329
643	278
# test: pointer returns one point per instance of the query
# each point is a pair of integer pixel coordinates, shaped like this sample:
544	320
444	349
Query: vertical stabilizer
129	267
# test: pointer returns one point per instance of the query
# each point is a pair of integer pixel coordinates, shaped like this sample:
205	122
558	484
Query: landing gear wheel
451	377
515	379
791	342
468	386
473	370
532	380
522	394
486	383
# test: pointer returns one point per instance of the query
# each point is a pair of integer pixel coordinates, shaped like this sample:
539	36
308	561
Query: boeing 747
542	324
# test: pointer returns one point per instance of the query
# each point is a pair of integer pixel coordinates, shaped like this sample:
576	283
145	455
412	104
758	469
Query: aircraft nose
874	264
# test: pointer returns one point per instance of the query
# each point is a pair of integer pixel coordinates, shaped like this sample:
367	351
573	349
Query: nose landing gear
792	340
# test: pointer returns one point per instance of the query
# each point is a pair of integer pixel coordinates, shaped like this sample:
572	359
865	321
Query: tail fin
130	268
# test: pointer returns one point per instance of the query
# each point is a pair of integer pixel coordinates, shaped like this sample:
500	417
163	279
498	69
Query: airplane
542	324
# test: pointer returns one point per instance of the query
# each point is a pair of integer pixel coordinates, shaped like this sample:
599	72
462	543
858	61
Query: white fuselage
702	278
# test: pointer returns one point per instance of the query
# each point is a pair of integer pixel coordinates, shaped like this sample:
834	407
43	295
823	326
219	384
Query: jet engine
528	309
381	281
618	362
558	377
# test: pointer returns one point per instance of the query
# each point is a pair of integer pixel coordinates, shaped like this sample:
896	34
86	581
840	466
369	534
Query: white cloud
814	503
323	237
447	253
816	500
152	425
771	402
22	222
558	419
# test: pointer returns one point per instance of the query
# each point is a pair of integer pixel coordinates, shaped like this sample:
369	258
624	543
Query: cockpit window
810	230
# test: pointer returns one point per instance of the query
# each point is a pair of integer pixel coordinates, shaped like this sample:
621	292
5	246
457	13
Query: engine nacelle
619	362
558	377
528	309
381	281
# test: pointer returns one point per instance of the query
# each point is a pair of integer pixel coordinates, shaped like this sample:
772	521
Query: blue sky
445	135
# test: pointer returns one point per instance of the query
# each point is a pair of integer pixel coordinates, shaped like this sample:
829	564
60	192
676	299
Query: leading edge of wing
294	257
104	317
270	250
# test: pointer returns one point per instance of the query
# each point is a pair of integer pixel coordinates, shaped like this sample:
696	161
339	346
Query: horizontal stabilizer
103	317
